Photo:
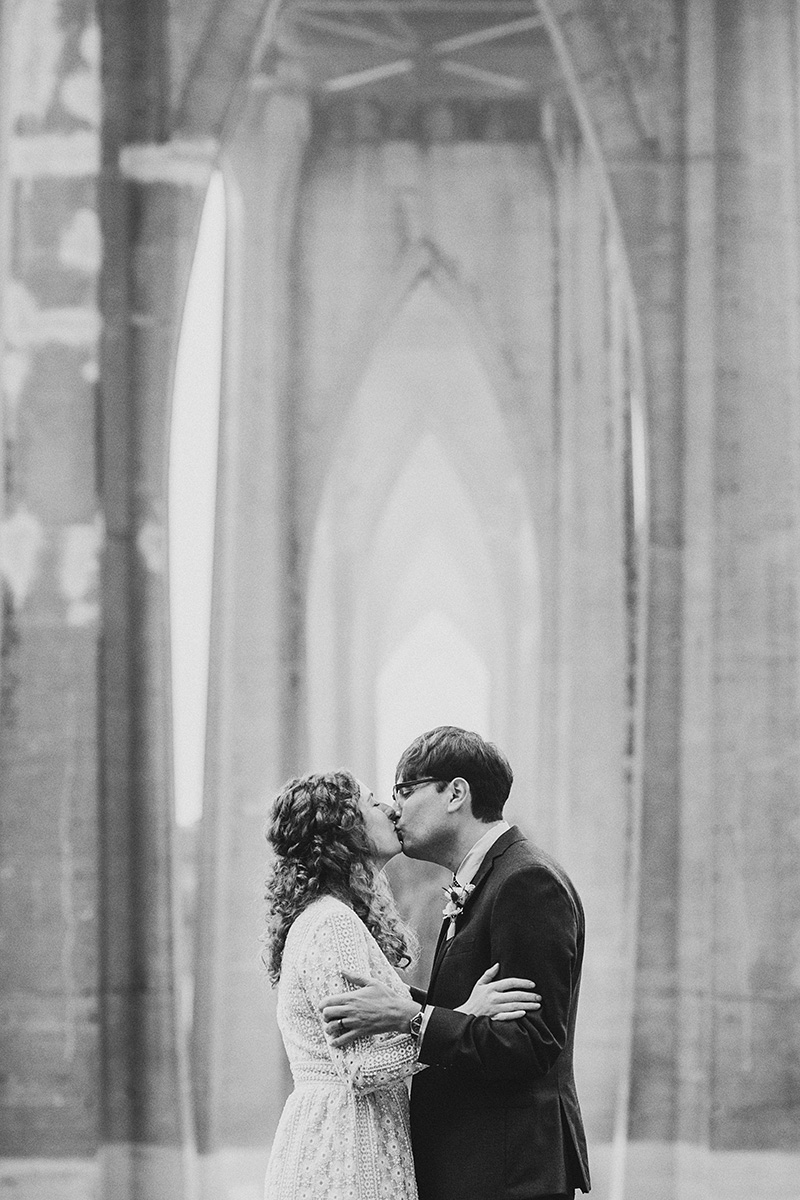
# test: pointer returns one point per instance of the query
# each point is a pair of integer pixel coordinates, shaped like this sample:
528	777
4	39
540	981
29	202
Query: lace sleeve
342	943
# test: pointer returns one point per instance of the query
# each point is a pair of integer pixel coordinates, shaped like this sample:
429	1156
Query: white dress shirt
471	862
470	865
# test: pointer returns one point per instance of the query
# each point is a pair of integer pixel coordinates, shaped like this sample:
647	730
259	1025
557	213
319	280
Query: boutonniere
457	896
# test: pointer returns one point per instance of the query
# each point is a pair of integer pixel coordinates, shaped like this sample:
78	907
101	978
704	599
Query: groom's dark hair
448	752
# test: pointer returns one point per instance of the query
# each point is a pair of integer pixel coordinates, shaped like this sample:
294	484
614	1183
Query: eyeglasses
401	791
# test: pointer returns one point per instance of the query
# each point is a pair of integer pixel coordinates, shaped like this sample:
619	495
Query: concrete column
255	676
150	208
712	1109
598	803
555	683
648	191
698	757
755	1099
50	537
591	796
6	122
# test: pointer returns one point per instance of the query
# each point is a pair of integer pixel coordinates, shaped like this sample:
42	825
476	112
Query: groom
496	1113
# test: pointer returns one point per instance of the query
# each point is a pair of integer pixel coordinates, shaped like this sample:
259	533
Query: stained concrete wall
95	1095
756	1004
150	206
713	1069
51	536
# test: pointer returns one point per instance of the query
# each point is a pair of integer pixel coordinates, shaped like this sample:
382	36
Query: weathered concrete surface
34	1178
755	1007
230	41
716	999
149	210
595	622
50	538
238	1065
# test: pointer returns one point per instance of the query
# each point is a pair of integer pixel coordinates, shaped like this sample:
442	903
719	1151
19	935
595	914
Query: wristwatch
415	1024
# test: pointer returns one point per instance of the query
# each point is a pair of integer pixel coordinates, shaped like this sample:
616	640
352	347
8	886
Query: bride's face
380	829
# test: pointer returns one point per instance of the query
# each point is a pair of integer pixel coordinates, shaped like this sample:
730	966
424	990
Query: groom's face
422	823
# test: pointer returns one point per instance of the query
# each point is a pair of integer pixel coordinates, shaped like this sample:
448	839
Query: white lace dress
344	1132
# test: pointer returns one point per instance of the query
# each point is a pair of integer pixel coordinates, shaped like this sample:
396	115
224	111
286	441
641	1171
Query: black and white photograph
400	628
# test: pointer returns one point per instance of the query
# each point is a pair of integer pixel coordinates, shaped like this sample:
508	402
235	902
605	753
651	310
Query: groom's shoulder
518	851
522	856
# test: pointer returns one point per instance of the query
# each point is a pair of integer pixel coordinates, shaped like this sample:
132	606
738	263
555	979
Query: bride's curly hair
321	848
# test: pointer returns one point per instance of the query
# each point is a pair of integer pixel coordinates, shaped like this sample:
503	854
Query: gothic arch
367	527
421	271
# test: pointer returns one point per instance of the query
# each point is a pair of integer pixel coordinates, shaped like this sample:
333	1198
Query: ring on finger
341	1026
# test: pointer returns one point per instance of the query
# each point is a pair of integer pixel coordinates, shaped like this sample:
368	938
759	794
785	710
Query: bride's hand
501	999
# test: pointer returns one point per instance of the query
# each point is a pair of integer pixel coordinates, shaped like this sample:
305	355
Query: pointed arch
426	372
433	676
431	551
424	506
423	275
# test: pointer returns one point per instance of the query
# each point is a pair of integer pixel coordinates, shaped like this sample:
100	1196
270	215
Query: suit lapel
514	834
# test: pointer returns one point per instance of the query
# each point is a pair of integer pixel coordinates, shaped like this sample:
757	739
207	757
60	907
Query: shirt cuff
426	1016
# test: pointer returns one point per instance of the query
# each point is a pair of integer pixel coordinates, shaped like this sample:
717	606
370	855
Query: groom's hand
371	1008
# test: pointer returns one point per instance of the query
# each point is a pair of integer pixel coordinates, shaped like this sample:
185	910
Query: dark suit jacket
496	1116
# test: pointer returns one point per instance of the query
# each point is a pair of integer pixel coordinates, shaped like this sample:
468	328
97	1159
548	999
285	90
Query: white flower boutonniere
457	896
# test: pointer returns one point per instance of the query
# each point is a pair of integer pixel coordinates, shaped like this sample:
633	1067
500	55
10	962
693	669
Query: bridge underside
508	433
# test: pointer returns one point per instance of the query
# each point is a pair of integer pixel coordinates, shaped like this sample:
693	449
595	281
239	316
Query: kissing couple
493	1112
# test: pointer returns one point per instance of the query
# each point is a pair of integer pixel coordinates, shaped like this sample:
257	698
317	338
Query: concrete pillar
555	681
622	77
595	810
6	122
587	706
150	206
647	190
712	1109
699	606
255	673
755	1002
50	538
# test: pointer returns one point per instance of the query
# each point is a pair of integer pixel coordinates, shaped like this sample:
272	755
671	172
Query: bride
344	1131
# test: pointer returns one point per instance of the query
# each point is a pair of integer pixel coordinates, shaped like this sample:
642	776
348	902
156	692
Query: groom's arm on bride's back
536	932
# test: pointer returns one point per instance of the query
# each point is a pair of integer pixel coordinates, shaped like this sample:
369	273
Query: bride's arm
338	948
